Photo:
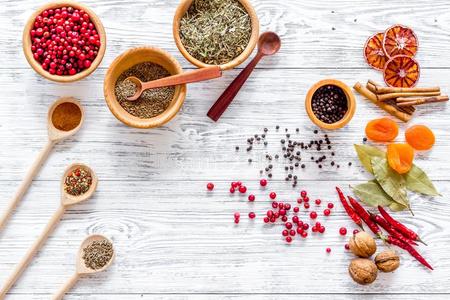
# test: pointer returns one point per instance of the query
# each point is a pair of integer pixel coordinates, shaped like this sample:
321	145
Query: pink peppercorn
210	186
263	182
251	215
328	250
288	225
251	198
242	189
266	220
306	205
355	231
347	247
288	239
303	194
284	218
330	205
237	215
313	215
296	209
272	195
232	190
285	232
295	219
318	201
322	229
274	204
299	200
292	232
326	212
343	231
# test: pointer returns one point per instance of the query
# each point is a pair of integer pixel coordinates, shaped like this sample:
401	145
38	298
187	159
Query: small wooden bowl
181	10
351	103
127	60
26	42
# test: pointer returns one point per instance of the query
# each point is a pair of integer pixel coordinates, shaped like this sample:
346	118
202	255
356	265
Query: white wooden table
174	240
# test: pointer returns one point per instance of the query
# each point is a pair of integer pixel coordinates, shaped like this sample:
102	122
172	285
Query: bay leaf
417	181
372	194
392	183
365	155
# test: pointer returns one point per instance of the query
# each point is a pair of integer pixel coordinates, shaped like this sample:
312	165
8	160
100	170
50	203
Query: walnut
387	261
363	270
362	244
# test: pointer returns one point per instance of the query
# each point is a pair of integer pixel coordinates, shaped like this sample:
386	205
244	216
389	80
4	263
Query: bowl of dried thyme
216	32
154	107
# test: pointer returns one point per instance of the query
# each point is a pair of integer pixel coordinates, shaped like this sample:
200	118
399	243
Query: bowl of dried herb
216	32
154	107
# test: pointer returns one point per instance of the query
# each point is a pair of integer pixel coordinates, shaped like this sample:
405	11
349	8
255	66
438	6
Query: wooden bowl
351	103
181	10
127	60
26	42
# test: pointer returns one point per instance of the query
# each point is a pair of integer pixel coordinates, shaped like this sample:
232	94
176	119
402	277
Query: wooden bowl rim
351	103
26	42
125	117
184	6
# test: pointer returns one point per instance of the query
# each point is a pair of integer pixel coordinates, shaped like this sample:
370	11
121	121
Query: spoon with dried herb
69	197
137	87
95	255
64	119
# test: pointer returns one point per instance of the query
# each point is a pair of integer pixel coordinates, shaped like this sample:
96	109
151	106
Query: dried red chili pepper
389	229
350	212
394	241
405	231
362	212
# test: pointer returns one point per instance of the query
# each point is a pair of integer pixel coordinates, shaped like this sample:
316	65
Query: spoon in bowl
66	201
268	44
56	133
186	77
81	268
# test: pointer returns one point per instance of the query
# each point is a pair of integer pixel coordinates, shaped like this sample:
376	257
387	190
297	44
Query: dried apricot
420	137
400	157
382	130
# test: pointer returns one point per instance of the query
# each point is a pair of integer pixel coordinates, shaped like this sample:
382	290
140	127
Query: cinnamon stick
371	87
390	90
385	97
402	102
391	109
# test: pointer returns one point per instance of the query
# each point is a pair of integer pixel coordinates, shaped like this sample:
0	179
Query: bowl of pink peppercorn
64	41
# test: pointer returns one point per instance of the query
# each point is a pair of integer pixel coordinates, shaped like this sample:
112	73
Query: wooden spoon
186	77
81	268
268	44
54	136
66	201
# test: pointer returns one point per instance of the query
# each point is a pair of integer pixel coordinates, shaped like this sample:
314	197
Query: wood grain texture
173	239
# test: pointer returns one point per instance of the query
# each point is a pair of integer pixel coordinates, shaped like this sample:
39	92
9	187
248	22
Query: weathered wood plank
192	146
314	33
175	237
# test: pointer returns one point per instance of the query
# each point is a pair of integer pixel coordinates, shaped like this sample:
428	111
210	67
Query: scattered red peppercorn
251	215
355	231
299	200
266	220
284	218
304	234
272	195
322	229
263	182
285	232
306	205
287	206
296	209
305	226
292	232
313	215
236	221
347	247
306	199
330	205
342	231
251	198
288	239
328	250
274	204
242	189
326	212
303	194
318	201
232	190
288	225
210	186
237	215
295	219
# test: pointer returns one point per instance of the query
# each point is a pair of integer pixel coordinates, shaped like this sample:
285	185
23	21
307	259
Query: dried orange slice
400	40
374	52
402	71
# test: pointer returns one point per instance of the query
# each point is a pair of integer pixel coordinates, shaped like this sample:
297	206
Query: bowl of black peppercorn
330	104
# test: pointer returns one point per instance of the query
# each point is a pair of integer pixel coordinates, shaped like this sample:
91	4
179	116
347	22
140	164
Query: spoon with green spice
95	255
268	44
67	199
137	86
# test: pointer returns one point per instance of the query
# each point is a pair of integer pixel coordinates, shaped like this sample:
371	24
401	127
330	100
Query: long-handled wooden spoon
81	268
268	44
55	135
66	201
186	77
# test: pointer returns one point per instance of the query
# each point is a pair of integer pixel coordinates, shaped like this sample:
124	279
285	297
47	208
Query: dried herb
152	102
215	31
365	155
97	254
78	182
418	181
372	194
392	183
